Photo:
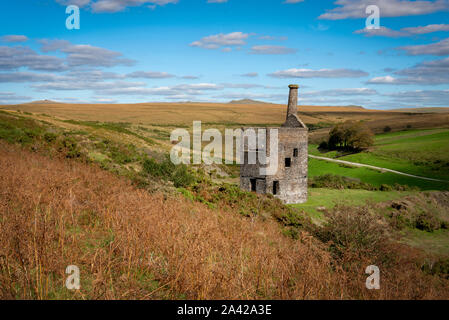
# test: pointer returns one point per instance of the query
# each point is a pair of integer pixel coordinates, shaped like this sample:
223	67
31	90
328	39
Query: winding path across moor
373	167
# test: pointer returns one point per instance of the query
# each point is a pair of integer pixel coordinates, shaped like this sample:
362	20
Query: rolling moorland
90	185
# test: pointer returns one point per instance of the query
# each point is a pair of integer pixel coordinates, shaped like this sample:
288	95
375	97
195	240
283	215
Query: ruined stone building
289	182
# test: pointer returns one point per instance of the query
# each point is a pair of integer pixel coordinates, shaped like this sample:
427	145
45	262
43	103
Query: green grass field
329	198
418	152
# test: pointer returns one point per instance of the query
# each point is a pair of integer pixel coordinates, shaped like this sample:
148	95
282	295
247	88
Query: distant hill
43	102
247	101
424	110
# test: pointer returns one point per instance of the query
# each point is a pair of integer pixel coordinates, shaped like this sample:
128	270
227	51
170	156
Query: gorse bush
166	170
439	267
162	169
427	212
181	176
69	146
355	230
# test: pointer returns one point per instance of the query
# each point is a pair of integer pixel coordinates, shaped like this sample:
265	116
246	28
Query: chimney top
292	120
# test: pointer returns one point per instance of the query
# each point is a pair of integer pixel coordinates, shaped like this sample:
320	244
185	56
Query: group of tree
349	135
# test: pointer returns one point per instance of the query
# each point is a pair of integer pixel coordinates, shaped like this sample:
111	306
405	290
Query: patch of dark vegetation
355	232
180	175
36	136
349	136
426	211
439	268
331	181
319	125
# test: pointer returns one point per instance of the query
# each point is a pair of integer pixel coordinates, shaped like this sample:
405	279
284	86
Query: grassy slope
318	197
321	167
418	152
432	242
329	198
130	244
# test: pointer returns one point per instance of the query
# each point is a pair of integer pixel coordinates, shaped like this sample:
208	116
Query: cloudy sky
219	50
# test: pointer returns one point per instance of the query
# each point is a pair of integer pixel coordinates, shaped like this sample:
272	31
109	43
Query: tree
350	135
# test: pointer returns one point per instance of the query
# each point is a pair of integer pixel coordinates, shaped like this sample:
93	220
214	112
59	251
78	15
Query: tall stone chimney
293	100
292	119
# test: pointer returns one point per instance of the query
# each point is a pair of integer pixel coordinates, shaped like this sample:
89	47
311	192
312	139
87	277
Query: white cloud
424	73
188	77
150	75
86	55
15	77
383	32
422	97
120	5
241	85
341	92
79	3
250	75
12	58
266	49
427	29
14	38
181	90
322	73
404	32
383	80
440	48
221	40
388	8
11	96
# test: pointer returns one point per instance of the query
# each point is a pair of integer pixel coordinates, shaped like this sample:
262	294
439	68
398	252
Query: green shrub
181	177
323	145
160	170
187	194
70	147
50	137
166	170
354	231
427	222
439	268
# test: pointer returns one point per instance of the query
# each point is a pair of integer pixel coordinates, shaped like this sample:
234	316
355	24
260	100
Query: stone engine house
289	183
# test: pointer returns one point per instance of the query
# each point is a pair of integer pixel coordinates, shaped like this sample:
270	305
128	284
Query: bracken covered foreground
130	244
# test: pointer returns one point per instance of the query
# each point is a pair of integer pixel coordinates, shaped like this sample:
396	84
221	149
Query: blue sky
130	51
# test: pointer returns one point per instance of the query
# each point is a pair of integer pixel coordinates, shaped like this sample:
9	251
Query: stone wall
292	181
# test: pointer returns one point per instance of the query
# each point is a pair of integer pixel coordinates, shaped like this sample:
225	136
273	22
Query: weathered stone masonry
290	181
